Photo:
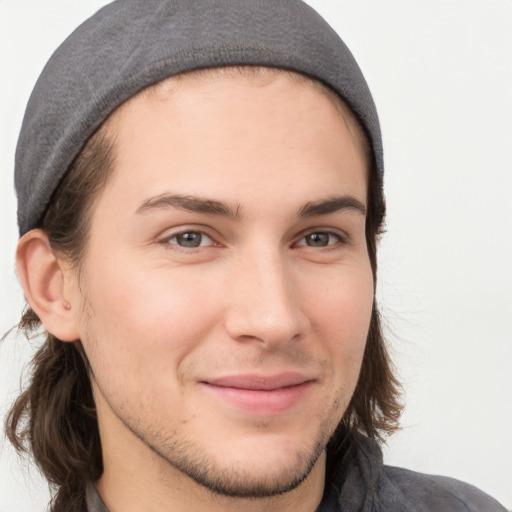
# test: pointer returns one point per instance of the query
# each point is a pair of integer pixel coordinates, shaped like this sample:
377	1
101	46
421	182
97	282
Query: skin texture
268	294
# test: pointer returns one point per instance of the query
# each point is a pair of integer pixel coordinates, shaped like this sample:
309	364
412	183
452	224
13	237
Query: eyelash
167	240
338	238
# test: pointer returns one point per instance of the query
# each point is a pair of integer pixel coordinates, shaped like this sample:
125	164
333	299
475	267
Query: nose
264	302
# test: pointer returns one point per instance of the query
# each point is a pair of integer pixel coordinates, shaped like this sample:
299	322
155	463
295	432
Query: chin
245	471
252	479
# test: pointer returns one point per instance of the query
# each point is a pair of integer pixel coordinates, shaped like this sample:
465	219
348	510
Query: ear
43	277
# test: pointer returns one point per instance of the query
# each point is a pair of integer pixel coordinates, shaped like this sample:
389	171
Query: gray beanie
131	44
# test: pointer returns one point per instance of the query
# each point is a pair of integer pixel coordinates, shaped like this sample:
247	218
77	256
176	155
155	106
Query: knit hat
131	44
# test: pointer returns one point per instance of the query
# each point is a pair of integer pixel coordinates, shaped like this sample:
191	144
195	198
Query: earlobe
42	277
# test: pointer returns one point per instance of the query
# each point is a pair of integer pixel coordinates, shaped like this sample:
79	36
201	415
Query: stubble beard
194	460
177	449
230	481
233	482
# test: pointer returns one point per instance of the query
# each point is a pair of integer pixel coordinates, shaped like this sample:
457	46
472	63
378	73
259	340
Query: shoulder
360	482
434	493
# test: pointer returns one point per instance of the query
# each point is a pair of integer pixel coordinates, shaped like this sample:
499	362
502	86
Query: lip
266	395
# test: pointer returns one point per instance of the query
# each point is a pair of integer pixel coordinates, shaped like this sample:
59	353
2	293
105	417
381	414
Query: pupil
189	239
318	239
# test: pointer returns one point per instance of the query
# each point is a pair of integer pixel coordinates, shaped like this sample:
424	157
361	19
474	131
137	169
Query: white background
441	74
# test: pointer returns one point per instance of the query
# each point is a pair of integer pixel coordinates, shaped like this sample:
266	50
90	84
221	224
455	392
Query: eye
190	239
320	239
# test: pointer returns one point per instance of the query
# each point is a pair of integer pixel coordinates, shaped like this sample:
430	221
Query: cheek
340	311
147	319
343	296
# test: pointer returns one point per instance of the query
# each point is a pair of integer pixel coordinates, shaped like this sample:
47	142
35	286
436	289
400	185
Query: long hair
54	418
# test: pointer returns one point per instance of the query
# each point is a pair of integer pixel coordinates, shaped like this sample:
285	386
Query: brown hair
55	417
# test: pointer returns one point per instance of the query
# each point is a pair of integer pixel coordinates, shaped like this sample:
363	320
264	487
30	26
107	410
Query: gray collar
93	499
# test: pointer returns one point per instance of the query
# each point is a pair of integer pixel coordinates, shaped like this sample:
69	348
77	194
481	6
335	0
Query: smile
261	395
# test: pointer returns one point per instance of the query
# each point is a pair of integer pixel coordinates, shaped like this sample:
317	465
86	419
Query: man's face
226	292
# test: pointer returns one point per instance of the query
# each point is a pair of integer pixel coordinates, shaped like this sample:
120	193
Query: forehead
238	77
237	137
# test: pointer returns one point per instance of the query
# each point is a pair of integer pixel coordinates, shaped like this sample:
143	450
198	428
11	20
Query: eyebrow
191	204
332	205
212	207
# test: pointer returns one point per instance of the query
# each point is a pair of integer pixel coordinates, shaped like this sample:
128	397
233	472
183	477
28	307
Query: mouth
260	394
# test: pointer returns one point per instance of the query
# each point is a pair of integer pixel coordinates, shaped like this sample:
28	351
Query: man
198	239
